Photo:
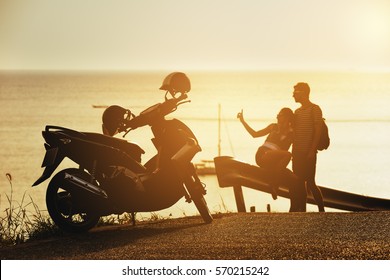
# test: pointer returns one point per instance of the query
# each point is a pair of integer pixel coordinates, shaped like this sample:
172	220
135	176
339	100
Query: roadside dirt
245	236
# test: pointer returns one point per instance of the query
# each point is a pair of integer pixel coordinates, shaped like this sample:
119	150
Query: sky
195	35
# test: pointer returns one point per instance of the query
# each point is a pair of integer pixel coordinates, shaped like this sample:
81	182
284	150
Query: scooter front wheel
202	207
64	207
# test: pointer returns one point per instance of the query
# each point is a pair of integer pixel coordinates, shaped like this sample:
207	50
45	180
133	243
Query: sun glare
376	27
369	31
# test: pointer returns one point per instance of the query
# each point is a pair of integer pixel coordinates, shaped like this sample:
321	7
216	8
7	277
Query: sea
356	107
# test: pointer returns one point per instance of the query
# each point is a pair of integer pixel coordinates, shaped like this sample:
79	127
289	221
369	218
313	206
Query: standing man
307	132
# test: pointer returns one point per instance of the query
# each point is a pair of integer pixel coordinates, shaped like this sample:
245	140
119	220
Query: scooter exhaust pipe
91	188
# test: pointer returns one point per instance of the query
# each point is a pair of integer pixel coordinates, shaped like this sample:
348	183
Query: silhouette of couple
302	130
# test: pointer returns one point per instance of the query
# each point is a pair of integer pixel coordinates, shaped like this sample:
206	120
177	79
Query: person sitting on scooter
274	154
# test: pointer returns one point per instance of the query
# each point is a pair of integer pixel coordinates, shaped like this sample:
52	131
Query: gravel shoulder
244	236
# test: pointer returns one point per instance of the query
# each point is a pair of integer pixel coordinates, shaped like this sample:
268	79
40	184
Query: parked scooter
110	178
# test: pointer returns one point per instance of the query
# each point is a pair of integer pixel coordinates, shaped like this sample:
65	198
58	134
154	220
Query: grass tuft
23	220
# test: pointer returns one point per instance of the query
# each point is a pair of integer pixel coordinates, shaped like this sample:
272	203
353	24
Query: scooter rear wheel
63	207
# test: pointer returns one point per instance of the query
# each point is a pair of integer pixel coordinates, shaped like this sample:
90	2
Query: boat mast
219	129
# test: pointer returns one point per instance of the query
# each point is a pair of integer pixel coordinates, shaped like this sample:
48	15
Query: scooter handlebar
155	112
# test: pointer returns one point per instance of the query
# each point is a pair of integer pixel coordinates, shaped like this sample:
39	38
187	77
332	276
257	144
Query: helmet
176	82
112	118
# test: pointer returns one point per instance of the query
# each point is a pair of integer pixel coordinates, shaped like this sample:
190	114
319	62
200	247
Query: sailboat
205	167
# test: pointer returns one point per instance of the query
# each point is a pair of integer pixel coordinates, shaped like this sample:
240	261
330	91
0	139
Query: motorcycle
110	178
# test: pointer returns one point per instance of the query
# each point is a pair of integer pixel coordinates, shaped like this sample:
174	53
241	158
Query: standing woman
274	154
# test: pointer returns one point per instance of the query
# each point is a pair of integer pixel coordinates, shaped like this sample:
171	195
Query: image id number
231	270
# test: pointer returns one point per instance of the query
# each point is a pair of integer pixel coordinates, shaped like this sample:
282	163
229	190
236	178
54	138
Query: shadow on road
100	240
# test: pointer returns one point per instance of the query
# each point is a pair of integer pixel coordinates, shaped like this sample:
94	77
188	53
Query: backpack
324	141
